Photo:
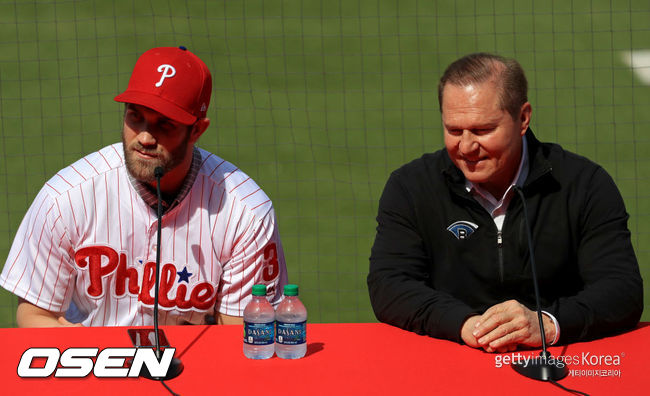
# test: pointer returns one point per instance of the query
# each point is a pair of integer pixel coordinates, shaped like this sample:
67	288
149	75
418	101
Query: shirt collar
149	195
519	179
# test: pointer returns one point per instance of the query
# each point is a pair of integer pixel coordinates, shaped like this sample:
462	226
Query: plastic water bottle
291	325
259	320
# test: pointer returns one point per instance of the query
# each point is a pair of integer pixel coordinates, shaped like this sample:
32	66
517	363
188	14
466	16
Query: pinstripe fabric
89	237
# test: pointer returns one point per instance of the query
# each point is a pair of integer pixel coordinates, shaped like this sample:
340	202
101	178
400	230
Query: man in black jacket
451	259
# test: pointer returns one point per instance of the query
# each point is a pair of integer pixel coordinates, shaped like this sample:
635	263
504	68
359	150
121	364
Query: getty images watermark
585	364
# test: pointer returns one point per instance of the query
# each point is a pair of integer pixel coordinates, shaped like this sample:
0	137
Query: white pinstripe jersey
90	238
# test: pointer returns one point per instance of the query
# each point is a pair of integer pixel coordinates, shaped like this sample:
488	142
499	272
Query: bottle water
258	326
291	325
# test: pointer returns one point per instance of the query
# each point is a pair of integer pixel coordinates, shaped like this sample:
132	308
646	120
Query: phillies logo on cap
172	81
167	71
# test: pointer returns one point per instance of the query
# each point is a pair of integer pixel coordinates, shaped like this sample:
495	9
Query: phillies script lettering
103	261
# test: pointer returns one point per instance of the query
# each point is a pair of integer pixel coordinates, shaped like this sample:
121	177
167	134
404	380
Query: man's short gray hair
480	67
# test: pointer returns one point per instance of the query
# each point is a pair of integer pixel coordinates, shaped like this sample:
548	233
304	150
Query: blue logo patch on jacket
462	229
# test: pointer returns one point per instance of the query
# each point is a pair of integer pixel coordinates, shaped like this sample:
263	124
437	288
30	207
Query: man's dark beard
143	170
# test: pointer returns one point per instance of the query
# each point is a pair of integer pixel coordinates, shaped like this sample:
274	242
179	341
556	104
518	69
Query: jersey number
271	266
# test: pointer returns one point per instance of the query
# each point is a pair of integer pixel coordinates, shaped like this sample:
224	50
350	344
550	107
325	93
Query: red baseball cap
172	81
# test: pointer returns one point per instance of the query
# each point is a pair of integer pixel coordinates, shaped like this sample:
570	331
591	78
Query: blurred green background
319	101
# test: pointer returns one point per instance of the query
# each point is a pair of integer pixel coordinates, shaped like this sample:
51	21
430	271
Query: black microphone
158	172
176	366
545	368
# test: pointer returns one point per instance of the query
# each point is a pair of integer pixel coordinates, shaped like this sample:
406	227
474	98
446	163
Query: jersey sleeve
257	258
38	266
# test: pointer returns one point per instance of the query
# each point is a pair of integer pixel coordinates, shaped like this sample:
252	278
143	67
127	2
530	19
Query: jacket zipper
500	254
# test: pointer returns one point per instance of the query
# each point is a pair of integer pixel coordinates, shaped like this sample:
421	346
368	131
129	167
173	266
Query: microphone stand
176	366
545	368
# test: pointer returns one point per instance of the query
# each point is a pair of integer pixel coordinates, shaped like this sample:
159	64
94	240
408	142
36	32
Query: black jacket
425	279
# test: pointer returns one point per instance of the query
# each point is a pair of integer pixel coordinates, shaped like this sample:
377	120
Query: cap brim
164	107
